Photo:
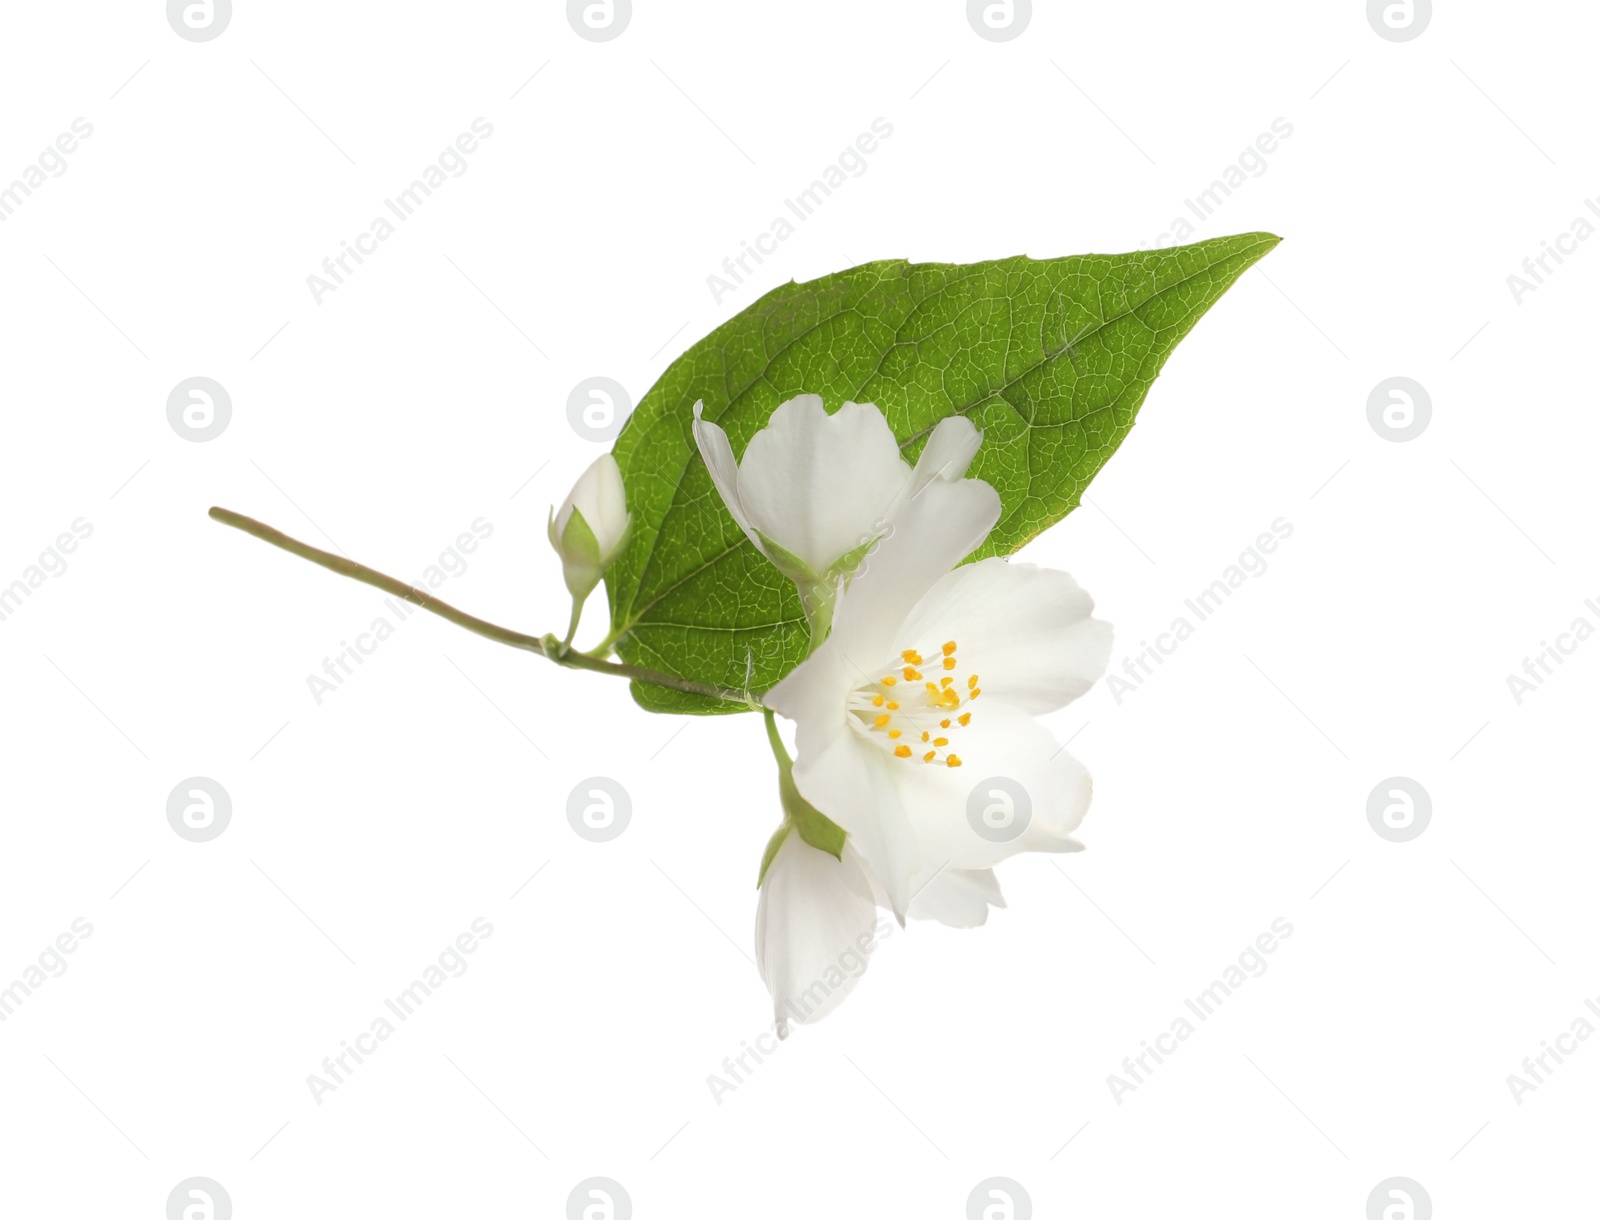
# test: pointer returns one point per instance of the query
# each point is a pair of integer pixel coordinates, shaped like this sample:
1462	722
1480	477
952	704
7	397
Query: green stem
572	625
546	646
785	763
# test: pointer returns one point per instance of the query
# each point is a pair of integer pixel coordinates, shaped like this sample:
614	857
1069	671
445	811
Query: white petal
1024	630
949	451
937	529
850	781
821	485
1011	765
815	925
718	454
956	897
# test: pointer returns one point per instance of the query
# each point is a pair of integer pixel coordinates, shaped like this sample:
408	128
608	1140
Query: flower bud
590	527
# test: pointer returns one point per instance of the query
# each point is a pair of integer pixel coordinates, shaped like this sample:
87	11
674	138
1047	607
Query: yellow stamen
973	680
941	741
893	706
928	757
924	737
880	720
949	648
911	656
965	718
975	693
949	662
952	761
893	733
910	674
944	724
902	751
877	701
947	681
887	680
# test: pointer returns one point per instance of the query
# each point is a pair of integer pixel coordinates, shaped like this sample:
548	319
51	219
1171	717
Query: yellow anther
911	656
893	706
902	751
952	761
950	648
928	757
887	680
941	741
880	720
877	701
910	674
947	681
972	680
975	692
949	662
893	733
965	718
924	737
944	724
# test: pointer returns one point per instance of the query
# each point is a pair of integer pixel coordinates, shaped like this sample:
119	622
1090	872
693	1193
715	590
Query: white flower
894	743
591	525
817	924
814	490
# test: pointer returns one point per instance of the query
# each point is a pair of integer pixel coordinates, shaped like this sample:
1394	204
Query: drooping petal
956	897
850	780
938	527
1016	790
821	485
948	453
1025	630
815	926
714	447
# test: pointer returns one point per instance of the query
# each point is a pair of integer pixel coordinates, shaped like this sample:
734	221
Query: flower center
912	715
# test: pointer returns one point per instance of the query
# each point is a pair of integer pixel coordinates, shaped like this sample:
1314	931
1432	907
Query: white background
430	390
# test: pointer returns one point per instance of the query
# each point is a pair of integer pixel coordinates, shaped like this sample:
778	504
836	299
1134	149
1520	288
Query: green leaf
1052	358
